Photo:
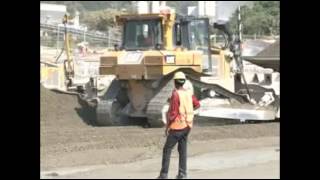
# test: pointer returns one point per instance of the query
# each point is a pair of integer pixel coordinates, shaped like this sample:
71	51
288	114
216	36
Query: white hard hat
179	75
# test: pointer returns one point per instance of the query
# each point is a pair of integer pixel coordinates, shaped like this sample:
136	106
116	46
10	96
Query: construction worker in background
83	48
179	123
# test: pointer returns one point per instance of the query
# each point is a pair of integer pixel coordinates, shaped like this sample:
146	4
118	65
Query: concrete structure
143	7
208	9
155	6
204	9
76	20
192	10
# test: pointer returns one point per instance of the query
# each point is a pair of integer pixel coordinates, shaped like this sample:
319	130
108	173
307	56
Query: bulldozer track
108	107
156	104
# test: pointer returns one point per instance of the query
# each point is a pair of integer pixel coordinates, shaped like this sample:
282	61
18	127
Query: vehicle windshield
198	35
199	40
142	34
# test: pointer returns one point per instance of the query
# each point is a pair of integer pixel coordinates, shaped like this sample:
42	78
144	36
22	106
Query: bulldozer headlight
170	59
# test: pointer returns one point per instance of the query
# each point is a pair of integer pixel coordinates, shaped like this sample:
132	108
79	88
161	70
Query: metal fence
53	36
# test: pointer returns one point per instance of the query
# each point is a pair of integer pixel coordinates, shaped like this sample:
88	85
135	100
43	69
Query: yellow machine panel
153	65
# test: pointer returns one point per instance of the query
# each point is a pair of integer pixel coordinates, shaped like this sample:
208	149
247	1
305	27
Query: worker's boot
181	176
162	176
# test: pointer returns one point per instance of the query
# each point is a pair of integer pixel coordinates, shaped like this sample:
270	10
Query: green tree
100	20
263	18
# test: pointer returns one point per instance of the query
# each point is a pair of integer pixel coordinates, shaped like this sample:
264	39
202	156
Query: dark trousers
174	137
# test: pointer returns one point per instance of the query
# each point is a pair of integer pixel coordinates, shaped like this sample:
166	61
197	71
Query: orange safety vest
186	114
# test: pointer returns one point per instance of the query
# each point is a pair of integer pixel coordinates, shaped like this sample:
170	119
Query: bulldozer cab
193	34
189	32
142	34
166	32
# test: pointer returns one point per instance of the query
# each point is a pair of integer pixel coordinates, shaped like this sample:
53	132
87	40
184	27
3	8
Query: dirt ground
252	162
70	140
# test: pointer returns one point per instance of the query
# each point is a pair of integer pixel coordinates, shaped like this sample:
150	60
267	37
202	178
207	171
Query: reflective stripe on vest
185	117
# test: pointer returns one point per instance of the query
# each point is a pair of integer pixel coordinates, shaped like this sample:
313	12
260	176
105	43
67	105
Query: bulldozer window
180	35
142	34
198	39
198	35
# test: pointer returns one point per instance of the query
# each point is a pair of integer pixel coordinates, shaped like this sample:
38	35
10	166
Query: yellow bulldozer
154	47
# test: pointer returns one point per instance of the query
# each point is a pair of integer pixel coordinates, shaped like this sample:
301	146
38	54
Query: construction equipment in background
68	63
154	47
58	75
67	73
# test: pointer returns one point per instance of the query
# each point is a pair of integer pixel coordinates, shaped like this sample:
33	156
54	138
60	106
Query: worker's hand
166	131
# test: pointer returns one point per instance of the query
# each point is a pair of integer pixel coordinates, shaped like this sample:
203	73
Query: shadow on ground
88	114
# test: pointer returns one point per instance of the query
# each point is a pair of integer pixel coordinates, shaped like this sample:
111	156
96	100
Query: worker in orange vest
179	123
